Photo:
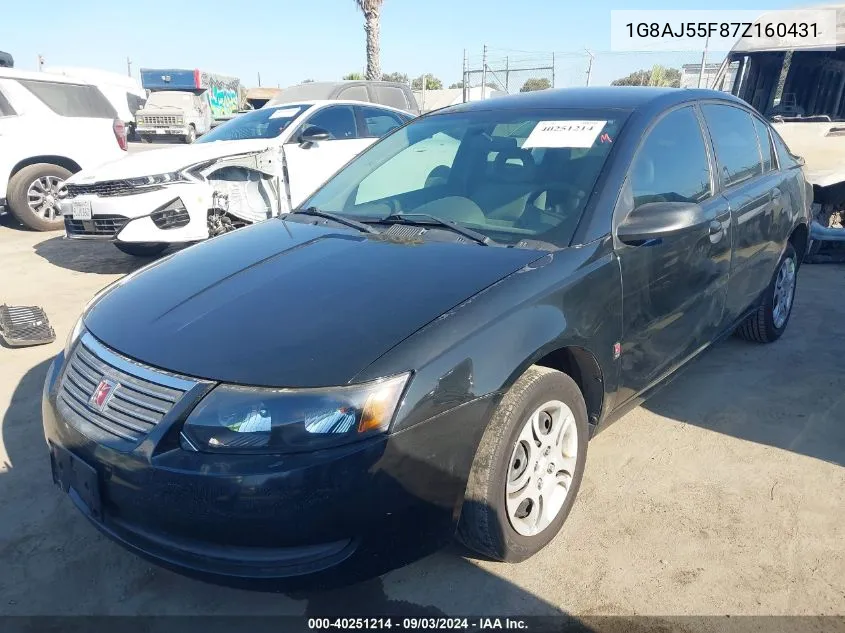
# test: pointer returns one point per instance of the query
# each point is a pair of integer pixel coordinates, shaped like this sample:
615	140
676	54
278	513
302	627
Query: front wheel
528	467
191	136
141	249
768	323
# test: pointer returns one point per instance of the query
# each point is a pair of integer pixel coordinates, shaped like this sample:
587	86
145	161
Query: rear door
308	167
673	288
752	187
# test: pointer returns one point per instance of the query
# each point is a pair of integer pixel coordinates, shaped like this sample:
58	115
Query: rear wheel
769	322
141	249
33	196
528	467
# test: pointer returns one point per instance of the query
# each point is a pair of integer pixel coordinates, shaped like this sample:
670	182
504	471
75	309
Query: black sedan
426	345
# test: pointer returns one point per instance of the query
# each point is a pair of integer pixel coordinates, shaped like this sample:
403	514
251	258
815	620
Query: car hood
161	161
287	304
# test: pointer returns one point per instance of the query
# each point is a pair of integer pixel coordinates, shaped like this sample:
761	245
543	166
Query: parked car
388	93
124	93
51	127
330	394
254	167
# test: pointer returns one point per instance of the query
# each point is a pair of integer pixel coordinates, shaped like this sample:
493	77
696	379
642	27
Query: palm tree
371	10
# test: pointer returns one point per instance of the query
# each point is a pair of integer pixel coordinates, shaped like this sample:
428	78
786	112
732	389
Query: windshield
267	122
175	99
511	175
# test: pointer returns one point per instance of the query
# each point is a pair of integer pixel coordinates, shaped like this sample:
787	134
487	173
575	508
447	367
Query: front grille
160	120
101	225
105	189
137	398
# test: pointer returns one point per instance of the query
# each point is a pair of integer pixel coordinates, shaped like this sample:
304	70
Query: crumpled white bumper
127	218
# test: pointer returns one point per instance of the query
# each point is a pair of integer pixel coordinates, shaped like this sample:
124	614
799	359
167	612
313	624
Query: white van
50	127
124	93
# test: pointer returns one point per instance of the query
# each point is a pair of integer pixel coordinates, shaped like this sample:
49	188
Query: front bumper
280	521
819	233
126	218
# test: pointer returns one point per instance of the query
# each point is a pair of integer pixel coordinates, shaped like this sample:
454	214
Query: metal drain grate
25	325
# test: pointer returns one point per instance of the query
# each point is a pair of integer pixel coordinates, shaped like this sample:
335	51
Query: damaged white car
258	165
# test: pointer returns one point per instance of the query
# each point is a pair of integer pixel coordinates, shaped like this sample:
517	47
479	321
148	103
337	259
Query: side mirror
313	135
657	220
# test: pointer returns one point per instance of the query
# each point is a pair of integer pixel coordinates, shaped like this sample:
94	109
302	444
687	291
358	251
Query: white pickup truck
256	166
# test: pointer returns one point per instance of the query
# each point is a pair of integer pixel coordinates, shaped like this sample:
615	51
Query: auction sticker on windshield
564	134
285	114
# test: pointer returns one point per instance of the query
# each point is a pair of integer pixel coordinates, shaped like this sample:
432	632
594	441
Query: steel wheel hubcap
541	468
43	197
784	292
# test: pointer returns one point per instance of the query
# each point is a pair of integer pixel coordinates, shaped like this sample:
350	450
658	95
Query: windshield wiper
404	218
337	218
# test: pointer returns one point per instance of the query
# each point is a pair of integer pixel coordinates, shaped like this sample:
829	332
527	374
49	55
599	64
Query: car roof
621	97
14	73
322	102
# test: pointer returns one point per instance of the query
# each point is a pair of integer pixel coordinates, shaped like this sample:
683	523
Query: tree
656	76
431	83
457	84
353	77
372	19
401	78
535	83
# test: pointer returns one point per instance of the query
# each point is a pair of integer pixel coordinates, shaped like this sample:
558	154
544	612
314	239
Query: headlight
250	420
158	179
74	335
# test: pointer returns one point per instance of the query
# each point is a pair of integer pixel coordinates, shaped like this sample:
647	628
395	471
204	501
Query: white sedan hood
168	159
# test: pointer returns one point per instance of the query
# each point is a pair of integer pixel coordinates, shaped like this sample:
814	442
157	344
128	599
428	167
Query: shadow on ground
86	256
789	394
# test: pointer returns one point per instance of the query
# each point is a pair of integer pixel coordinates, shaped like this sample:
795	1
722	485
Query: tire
191	136
763	326
141	249
19	193
486	524
145	138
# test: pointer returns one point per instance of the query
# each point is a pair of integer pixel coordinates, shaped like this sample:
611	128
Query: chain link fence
510	71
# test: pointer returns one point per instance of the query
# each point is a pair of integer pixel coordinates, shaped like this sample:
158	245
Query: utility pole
553	69
422	105
464	77
483	72
40	63
589	66
703	61
259	79
128	66
507	75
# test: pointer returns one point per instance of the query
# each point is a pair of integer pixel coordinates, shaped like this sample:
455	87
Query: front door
673	289
309	166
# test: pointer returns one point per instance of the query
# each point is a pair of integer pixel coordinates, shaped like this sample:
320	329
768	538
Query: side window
391	96
354	93
71	100
735	143
338	121
378	122
786	159
672	164
6	108
766	149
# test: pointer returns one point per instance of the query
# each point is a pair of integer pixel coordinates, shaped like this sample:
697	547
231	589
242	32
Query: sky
287	41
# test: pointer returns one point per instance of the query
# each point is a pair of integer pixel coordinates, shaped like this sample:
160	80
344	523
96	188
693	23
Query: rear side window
71	100
6	108
391	96
766	149
672	163
735	143
378	122
354	93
